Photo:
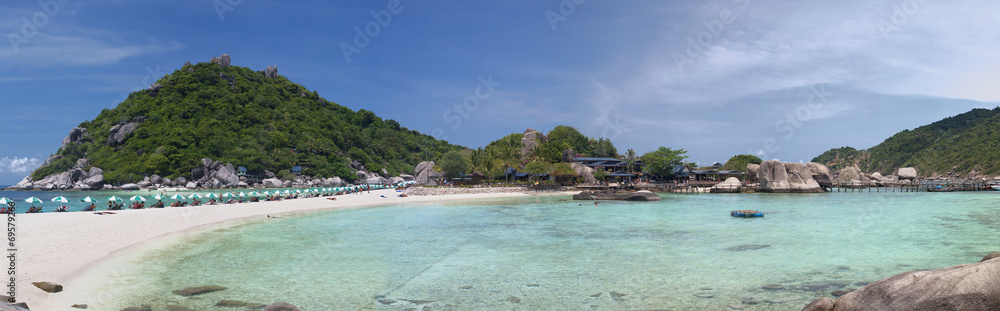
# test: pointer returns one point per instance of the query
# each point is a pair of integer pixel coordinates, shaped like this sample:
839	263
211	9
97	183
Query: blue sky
784	80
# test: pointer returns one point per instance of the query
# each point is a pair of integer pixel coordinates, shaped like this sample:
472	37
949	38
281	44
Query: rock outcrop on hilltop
966	287
271	72
531	140
777	177
121	132
75	137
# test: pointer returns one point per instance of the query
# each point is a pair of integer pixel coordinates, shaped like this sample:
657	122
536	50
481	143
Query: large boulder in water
966	287
773	177
731	185
800	179
777	177
752	171
641	195
820	172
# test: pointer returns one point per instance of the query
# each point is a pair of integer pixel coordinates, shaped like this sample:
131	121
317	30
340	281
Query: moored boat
747	214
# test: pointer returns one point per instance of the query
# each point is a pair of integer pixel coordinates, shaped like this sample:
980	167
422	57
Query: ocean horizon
685	252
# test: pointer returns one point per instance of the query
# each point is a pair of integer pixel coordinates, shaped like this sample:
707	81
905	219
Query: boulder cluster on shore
210	175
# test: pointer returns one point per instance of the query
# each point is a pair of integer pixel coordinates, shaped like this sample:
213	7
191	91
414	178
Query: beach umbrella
212	196
33	200
194	196
177	197
228	195
5	201
241	194
115	199
158	197
298	191
60	199
88	200
266	192
288	192
137	198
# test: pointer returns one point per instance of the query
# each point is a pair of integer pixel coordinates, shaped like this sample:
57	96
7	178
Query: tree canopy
739	162
455	164
662	161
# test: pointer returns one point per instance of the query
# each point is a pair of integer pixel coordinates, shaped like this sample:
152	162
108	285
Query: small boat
747	214
995	185
943	189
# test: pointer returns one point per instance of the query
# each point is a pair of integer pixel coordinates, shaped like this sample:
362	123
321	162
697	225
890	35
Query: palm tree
630	157
506	153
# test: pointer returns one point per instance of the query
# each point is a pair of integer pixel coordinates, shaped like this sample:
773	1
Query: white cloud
19	165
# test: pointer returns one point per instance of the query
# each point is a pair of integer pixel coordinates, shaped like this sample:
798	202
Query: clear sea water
684	253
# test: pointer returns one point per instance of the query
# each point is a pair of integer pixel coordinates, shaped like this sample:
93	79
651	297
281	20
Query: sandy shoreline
61	247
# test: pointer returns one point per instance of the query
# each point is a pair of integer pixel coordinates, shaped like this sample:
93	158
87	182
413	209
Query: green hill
245	117
956	144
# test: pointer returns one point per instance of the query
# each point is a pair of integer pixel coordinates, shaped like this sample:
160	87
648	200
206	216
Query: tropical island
216	126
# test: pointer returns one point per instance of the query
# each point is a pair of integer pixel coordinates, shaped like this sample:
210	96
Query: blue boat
747	214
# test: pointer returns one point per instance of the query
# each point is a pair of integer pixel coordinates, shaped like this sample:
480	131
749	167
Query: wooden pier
697	187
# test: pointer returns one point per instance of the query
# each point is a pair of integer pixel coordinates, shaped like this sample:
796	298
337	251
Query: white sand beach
62	247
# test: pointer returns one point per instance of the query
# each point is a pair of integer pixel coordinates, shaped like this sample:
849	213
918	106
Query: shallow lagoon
684	253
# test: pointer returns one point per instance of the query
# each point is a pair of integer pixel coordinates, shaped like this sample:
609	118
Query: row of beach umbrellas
62	199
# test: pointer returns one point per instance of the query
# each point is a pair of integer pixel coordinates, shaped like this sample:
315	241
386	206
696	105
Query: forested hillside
956	144
250	118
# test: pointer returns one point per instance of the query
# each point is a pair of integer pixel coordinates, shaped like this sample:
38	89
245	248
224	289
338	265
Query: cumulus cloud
17	165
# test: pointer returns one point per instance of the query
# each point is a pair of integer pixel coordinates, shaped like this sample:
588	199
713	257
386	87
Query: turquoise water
684	253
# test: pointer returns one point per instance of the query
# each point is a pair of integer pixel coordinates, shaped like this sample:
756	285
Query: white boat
995	185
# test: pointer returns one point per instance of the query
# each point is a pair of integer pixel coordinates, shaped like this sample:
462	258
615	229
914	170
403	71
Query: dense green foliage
562	137
956	144
661	162
258	122
739	163
839	158
455	164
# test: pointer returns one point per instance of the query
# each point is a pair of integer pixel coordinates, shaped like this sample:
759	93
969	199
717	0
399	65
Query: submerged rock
748	247
48	286
192	291
281	306
822	304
